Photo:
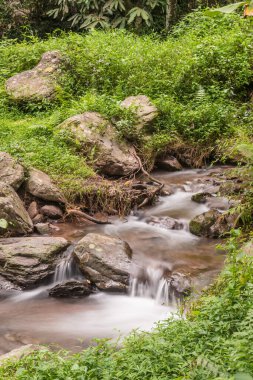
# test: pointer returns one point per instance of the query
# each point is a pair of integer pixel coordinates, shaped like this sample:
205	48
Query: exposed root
83	215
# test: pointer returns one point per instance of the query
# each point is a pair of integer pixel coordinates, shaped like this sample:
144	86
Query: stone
33	209
72	289
105	261
95	134
201	197
40	185
11	172
170	164
219	203
180	284
38	219
145	111
165	222
43	228
51	211
202	224
6	285
28	261
12	210
21	352
39	83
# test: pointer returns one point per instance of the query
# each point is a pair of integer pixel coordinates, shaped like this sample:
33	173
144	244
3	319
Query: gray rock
27	261
13	211
40	185
96	135
11	172
212	224
21	352
51	211
72	289
37	84
165	222
105	261
145	111
42	228
180	284
201	197
38	219
170	164
6	285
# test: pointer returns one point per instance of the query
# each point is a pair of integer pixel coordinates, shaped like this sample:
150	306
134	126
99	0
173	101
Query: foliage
214	341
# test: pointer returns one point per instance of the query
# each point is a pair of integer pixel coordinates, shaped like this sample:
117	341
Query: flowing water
33	317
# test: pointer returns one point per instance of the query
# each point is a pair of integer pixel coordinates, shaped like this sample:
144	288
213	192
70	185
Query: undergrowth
214	341
199	77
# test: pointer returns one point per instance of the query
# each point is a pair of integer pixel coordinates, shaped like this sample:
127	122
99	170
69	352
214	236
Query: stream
33	317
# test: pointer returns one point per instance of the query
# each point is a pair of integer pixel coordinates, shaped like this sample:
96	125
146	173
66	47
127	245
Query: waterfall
153	284
66	269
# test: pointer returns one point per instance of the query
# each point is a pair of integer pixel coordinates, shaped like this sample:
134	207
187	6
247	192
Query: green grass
215	341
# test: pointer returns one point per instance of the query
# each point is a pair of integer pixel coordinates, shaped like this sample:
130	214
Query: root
81	214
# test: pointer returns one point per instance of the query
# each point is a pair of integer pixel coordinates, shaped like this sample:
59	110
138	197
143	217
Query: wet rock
33	210
42	228
165	222
105	261
180	284
72	289
21	352
201	224
12	210
111	157
201	197
220	203
52	212
27	261
170	164
7	285
40	185
37	84
11	172
145	111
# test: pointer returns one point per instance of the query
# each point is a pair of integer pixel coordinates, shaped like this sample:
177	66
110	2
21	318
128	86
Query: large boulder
27	261
40	185
11	172
145	111
40	83
12	210
105	261
96	135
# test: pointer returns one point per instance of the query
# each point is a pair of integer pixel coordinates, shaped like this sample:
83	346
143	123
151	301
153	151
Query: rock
12	210
51	211
220	203
145	111
11	172
37	84
201	224
111	158
105	261
21	352
201	197
72	289
33	210
180	284
165	222
28	261
38	219
42	228
40	185
6	285
170	164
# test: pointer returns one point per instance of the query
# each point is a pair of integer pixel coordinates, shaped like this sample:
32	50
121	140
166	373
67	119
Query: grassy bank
214	342
200	78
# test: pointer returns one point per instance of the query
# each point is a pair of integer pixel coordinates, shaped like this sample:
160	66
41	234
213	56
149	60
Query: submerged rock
145	111
165	222
40	83
12	210
105	261
11	172
72	289
111	157
27	261
40	185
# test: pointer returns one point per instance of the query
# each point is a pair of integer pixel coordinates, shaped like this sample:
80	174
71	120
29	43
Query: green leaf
243	376
228	9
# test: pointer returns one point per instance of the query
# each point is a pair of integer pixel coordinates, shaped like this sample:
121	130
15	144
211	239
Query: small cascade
153	285
66	269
